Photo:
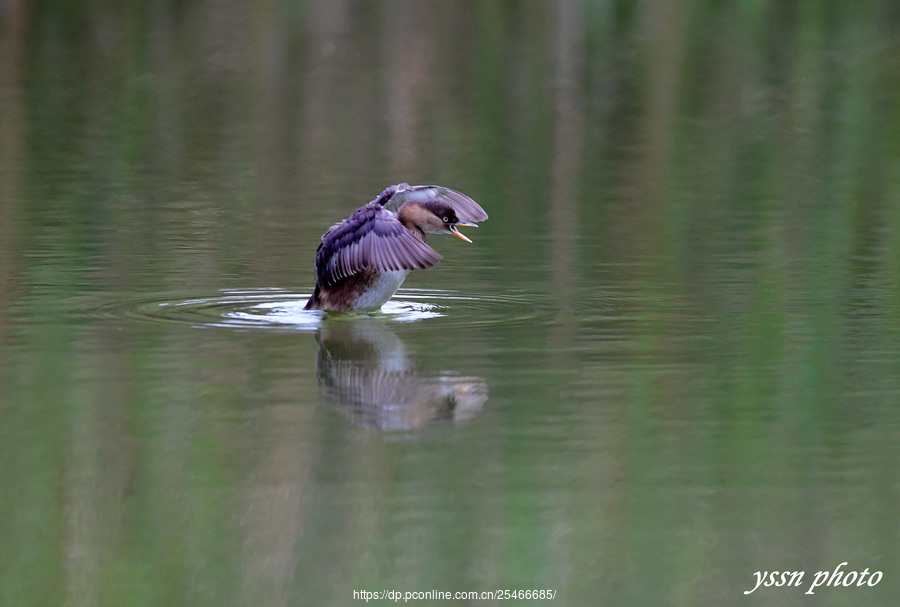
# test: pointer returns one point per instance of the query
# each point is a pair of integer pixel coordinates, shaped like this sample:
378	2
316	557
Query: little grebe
362	261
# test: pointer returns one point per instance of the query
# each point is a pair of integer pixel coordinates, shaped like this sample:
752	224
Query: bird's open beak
464	224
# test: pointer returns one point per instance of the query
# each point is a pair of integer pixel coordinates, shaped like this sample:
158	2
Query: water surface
670	359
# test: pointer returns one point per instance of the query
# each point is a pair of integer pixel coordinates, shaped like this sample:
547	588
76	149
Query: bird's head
436	217
441	218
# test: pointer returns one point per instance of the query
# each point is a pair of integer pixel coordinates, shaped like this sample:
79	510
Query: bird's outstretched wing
372	237
467	210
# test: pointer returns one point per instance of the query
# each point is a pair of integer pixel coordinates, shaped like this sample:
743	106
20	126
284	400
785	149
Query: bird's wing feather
372	237
466	208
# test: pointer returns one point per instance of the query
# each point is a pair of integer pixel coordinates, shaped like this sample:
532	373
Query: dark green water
670	359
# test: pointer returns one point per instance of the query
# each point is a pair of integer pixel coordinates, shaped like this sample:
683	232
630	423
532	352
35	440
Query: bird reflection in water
364	371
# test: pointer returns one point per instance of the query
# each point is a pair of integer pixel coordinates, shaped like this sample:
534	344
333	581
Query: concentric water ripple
277	309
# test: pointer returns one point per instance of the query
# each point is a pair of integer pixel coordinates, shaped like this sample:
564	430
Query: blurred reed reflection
365	372
686	303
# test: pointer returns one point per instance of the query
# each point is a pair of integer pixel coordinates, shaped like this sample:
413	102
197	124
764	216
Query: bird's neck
412	216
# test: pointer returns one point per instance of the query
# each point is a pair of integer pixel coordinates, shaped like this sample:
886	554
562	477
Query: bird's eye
446	219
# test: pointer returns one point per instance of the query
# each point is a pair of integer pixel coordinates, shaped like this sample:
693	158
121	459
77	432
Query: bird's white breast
381	289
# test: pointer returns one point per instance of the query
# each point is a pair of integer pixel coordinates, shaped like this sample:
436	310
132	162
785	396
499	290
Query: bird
363	260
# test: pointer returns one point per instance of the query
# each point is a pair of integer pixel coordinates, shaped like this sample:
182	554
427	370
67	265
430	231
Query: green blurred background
684	308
